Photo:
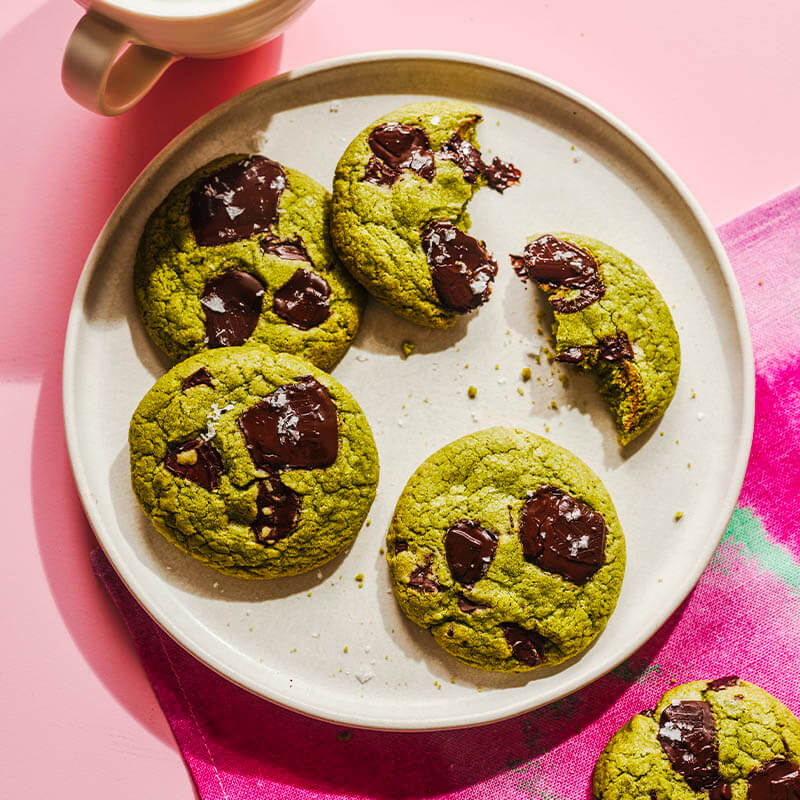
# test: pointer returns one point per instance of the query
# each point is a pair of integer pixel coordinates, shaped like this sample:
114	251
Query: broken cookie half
610	319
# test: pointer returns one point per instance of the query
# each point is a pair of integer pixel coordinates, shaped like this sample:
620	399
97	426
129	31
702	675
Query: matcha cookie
259	465
611	319
239	252
399	211
508	549
720	740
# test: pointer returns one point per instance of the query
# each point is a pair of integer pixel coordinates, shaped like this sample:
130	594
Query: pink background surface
711	85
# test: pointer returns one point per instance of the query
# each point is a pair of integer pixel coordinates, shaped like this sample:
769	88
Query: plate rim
294	702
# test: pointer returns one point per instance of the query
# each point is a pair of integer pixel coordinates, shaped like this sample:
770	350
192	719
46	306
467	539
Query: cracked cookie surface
263	273
466	543
720	740
258	464
610	319
408	171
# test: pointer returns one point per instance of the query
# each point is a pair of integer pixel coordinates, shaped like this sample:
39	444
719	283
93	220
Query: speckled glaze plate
323	643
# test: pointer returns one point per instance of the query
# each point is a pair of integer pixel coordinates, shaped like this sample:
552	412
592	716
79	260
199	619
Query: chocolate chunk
277	511
400	546
198	461
200	378
461	268
526	646
615	348
398	147
303	300
720	791
294	427
237	201
467	606
779	779
609	348
287	249
554	263
562	535
648	712
572	355
688	735
469	549
232	305
422	579
723	683
499	175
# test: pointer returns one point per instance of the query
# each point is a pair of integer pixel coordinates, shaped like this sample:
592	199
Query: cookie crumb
472	392
520	391
345	649
408	347
526	374
497	366
554	405
678	516
368	523
334	107
381	551
319	574
360	577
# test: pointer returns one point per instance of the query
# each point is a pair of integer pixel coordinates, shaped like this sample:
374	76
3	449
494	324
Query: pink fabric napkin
742	618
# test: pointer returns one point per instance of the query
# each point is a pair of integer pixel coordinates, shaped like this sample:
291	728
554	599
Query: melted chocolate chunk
294	427
467	606
720	791
469	549
554	263
200	378
398	147
461	268
277	511
400	546
777	780
288	249
499	175
723	683
526	646
198	461
303	301
422	579
232	305
610	348
615	348
237	201
562	535
688	735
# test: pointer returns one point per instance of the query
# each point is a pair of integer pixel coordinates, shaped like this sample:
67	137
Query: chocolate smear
562	535
499	175
232	305
197	461
779	779
422	579
461	268
398	147
609	348
688	735
554	264
526	646
294	427
469	549
287	249
467	606
723	683
277	511
303	301
237	201
200	378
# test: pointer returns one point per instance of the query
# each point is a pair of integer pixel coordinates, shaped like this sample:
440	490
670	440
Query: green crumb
344	736
472	392
293	650
554	405
368	523
526	373
408	347
452	680
694	394
537	357
345	649
564	380
479	688
540	331
661	433
381	551
466	366
497	366
520	391
360	577
678	516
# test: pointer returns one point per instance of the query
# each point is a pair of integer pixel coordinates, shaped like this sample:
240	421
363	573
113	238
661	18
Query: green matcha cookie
508	549
399	211
611	319
259	465
724	740
239	252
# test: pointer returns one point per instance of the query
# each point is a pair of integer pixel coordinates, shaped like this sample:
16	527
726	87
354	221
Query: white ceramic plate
582	171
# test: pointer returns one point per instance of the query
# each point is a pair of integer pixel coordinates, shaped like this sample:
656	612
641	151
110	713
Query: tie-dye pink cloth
743	617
